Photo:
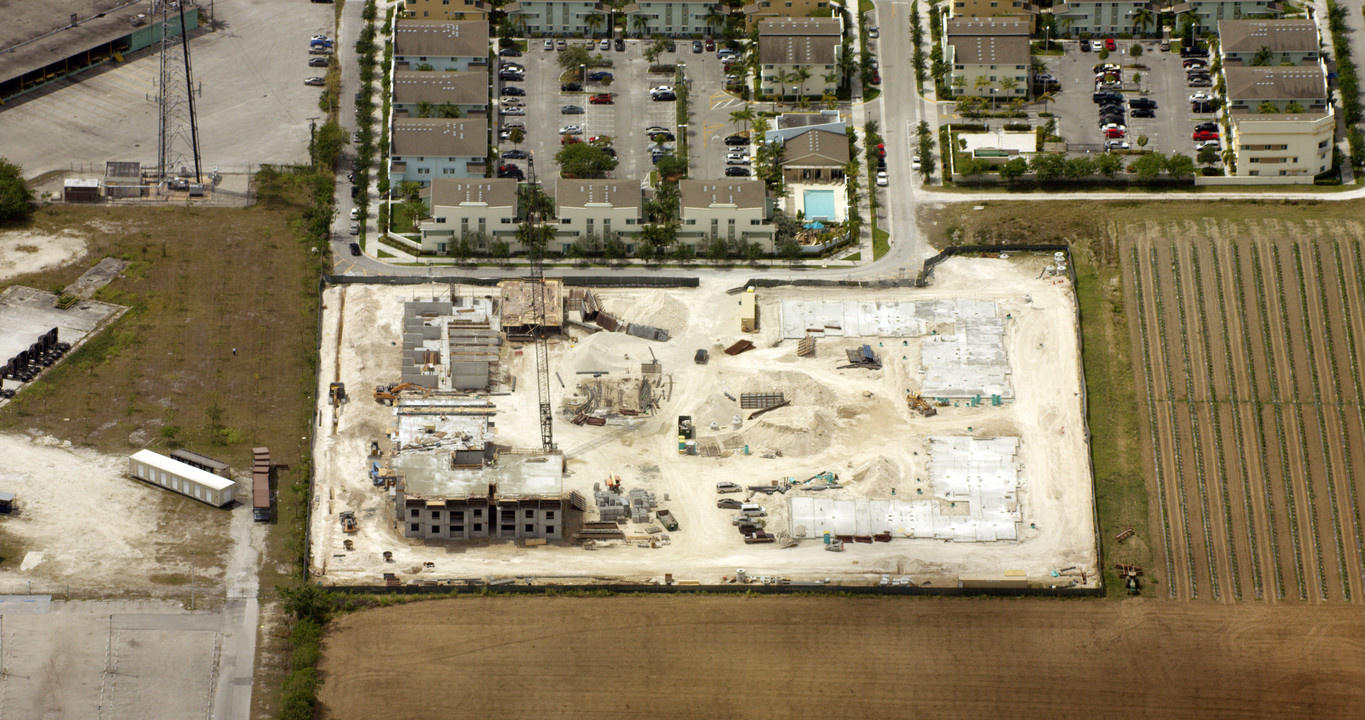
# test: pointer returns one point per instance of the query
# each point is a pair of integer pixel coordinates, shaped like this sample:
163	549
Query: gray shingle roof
425	137
441	38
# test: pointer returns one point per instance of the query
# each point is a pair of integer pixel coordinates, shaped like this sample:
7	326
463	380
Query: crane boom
547	441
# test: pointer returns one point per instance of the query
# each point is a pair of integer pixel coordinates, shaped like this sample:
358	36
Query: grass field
1103	236
687	656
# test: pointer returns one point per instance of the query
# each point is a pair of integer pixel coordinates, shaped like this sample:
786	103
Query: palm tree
829	101
1141	19
760	127
831	78
803	103
425	108
640	24
714	18
1008	85
745	116
595	21
800	75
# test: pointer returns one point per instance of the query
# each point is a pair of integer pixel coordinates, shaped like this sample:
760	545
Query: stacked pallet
260	484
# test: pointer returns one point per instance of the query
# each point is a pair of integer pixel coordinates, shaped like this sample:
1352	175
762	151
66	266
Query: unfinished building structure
518	305
451	344
516	496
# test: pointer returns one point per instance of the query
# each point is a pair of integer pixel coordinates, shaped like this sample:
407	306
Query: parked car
1106	120
548	45
599	76
1188	63
727	503
516	155
511	102
514	110
570	110
1144	113
511	76
571	130
511	91
601	99
1085	46
509	52
696	46
570	87
725	486
1142	103
355	228
609	151
620	45
662	97
710	45
314	81
1201	82
1206	106
873	32
355	249
882	180
1110	45
1210	126
605	44
1116	145
881	163
741	160
1208	145
569	140
914	163
759	537
1100	97
736	140
876	78
355	212
560	44
1204	135
319	62
1115	132
1106	67
1200	96
319	50
881	150
670	46
1195	51
735	171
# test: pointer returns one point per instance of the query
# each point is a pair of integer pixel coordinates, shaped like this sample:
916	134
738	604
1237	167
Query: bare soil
840	657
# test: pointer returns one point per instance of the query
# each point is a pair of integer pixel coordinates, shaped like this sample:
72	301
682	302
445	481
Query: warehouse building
182	478
41	44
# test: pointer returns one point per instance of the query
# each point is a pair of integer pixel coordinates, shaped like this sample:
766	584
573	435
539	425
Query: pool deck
795	200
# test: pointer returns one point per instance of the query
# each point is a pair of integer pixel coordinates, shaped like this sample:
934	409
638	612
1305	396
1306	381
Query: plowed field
786	657
1248	338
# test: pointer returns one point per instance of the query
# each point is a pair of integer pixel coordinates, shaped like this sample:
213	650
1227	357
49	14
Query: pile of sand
29	251
656	309
795	431
875	478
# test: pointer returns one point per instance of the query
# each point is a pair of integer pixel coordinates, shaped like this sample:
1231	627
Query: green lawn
880	242
401	219
855	257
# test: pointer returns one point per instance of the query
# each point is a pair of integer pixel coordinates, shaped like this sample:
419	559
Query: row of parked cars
749	521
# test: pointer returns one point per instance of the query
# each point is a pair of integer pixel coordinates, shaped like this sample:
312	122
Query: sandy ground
86	529
851	422
833	657
27	251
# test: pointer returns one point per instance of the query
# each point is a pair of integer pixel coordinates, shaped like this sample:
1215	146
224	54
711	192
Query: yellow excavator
920	405
388	393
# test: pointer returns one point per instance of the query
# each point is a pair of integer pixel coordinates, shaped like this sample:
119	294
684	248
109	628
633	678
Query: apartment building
559	17
438	94
598	207
479	211
674	18
735	210
440	45
1014	9
421	150
755	13
1104	18
1264	90
987	57
800	57
815	156
446	9
1208	13
1283	144
1268	42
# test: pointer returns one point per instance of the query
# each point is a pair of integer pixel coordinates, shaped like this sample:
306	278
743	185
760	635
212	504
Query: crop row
1175	428
1322	417
1217	422
1194	421
1315	539
1279	422
1151	420
1247	355
1346	310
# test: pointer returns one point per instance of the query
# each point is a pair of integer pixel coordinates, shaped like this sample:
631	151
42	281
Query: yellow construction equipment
388	393
348	523
336	393
920	405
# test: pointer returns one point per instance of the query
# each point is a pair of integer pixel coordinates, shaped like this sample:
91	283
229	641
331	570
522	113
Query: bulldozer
920	405
348	523
386	394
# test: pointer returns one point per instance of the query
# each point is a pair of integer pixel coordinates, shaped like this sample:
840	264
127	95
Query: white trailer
180	477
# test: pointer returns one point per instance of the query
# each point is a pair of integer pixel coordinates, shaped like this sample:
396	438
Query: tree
1268	108
447	110
682	252
1008	85
829	101
654	50
425	108
1108	164
714	18
1293	107
581	160
594	21
1078	167
410	190
1135	50
587	246
1141	19
16	200
1014	169
1263	56
500	249
974	166
746	116
613	248
1048	166
671	167
1179	165
799	77
790	250
1149	165
572	56
1207	156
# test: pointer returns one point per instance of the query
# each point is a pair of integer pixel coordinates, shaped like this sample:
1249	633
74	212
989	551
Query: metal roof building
179	477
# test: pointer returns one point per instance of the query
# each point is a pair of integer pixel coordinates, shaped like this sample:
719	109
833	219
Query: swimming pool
819	205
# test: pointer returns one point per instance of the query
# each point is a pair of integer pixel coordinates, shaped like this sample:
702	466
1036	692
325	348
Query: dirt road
782	657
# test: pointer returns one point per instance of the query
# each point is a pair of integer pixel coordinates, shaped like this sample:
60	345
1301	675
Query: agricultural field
1248	339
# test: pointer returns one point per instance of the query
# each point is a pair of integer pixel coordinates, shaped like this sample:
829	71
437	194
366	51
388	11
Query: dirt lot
851	422
732	657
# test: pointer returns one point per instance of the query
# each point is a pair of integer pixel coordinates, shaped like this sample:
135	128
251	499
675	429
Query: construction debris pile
596	400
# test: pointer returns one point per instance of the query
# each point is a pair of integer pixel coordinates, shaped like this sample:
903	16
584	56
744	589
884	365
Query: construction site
537	433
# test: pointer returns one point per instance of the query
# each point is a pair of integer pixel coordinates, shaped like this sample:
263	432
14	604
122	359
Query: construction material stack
260	484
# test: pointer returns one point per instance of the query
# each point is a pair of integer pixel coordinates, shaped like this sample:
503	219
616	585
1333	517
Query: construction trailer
179	477
203	462
748	312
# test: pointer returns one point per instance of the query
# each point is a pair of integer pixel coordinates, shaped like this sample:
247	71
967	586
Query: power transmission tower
178	125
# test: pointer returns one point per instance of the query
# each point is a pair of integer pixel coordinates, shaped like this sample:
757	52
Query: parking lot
1156	75
252	104
624	120
711	107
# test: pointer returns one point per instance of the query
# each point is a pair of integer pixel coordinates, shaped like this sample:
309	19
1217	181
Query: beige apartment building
446	9
735	210
987	57
598	207
789	48
480	211
1016	9
414	91
754	13
1283	145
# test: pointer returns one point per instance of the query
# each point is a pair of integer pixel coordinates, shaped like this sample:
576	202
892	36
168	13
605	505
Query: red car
881	150
1115	133
601	99
1205	135
876	78
1109	44
569	140
710	45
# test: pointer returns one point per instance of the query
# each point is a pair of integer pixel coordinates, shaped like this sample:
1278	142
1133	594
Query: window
440	220
412	527
549	514
549	529
435	514
457	515
509	528
478	527
413	513
458	528
478	513
530	514
530	528
436	528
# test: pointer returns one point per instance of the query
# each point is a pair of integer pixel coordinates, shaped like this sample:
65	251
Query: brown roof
499	192
441	38
817	147
624	192
799	41
705	193
990	50
996	26
424	137
456	88
1275	83
1249	36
